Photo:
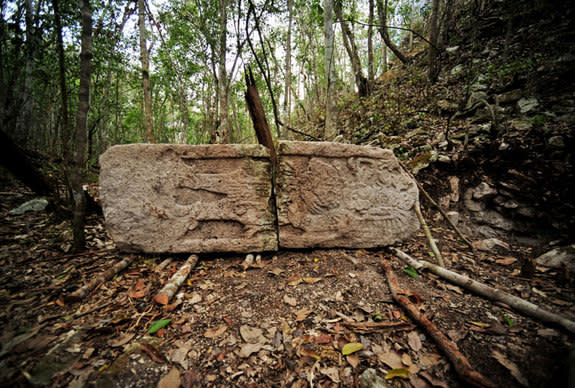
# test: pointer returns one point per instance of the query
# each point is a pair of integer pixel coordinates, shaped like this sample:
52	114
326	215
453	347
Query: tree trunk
80	133
287	89
62	79
433	35
351	48
382	13
146	87
370	69
330	130
258	115
223	132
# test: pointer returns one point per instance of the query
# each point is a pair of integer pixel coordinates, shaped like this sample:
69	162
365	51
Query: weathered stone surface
180	198
338	195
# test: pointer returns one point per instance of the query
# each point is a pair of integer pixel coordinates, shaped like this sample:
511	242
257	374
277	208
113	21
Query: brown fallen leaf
511	366
414	341
353	360
302	314
247	350
294	280
506	260
312	280
171	380
122	340
215	332
290	301
154	353
139	290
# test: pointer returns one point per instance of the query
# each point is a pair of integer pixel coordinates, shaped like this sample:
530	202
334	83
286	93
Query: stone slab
340	195
181	198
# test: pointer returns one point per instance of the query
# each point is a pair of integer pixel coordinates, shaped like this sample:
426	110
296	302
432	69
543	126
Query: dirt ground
282	319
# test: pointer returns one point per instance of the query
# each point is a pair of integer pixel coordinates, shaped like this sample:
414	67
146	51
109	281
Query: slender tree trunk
62	80
384	58
382	13
287	90
351	48
330	130
433	37
223	133
80	133
146	86
24	124
370	69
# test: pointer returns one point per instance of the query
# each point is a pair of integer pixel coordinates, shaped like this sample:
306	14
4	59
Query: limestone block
339	195
180	198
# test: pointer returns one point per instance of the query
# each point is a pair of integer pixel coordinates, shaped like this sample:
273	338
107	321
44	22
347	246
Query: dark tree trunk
258	115
80	133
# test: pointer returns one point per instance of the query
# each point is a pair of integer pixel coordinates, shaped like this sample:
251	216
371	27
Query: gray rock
495	219
34	205
335	195
527	104
483	192
556	141
560	257
470	204
370	379
180	198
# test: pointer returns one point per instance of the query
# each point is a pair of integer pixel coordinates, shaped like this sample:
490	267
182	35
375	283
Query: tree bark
433	37
370	68
287	89
223	131
330	130
258	115
80	133
351	48
382	13
146	86
65	127
172	286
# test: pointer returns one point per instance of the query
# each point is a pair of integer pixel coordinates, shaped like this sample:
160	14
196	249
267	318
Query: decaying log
521	305
170	289
82	292
430	238
462	367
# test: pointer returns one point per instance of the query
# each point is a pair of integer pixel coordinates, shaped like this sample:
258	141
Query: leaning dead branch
169	290
462	367
430	238
82	292
443	213
491	293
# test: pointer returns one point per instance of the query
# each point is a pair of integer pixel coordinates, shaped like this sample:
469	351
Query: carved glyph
336	195
180	198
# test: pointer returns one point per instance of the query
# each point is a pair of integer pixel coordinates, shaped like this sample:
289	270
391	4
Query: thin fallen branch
494	294
374	327
443	213
169	290
462	367
430	238
82	292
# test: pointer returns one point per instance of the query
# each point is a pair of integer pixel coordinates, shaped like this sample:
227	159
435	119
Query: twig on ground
168	291
491	293
430	238
374	327
82	292
462	367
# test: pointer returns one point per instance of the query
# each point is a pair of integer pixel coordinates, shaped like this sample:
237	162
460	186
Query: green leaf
397	372
350	348
506	318
411	271
158	325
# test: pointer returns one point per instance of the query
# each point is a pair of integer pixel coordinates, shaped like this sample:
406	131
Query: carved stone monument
339	195
181	198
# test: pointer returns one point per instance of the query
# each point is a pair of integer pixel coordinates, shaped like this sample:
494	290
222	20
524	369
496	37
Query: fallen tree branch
494	294
374	327
82	292
430	238
168	291
462	367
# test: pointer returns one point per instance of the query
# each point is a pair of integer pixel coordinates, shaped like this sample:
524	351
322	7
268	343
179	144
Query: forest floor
279	321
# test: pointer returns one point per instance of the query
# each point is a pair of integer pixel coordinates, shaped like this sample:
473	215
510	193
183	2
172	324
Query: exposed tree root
169	290
494	294
462	367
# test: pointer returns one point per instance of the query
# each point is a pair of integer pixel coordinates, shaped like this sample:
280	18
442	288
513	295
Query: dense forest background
470	83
